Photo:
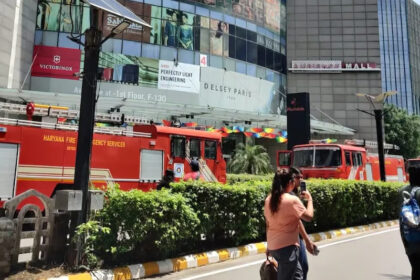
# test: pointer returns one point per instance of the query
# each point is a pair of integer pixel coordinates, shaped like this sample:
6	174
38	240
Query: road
373	255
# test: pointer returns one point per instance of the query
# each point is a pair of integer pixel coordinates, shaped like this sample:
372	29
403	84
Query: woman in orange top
283	212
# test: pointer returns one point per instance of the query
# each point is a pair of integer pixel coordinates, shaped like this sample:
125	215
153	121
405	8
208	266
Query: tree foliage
251	159
403	130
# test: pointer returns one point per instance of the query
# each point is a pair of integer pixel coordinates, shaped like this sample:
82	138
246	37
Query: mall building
337	48
218	63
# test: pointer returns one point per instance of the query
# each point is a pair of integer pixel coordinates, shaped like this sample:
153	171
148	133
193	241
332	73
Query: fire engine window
348	158
210	149
303	158
327	157
195	150
284	159
178	147
359	159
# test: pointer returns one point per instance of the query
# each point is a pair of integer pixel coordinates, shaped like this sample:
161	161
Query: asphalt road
373	255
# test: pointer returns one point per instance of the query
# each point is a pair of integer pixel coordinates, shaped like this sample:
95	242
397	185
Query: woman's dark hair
280	181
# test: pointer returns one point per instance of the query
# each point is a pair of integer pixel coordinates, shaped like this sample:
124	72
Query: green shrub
144	225
240	178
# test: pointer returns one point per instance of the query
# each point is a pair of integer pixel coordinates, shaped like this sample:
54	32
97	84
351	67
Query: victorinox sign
55	62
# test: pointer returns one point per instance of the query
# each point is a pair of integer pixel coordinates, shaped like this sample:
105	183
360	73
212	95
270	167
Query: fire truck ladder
64	112
205	171
370	144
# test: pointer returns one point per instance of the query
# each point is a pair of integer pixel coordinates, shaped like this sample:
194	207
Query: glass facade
413	17
247	36
395	53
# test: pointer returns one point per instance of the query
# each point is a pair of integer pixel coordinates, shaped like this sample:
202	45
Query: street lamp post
378	113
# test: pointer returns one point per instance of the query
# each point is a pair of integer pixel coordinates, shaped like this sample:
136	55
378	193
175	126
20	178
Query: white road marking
260	261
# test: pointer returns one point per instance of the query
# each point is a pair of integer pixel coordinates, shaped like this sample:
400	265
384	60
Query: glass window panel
261	72
170	23
131	48
195	148
230	19
277	62
240	49
232	51
48	16
201	11
269	75
178	147
85	19
210	148
151	51
204	40
251	69
216	44
38	37
155	35
153	2
112	45
216	61
49	38
168	53
230	64
65	42
261	55
184	34
170	4
226	45
252	53
269	63
241	67
186	56
216	15
241	32
251	26
251	36
187	7
204	22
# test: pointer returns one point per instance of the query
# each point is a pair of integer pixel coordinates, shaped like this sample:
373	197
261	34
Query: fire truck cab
344	161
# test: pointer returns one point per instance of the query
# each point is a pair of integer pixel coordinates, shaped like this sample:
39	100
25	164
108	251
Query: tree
251	159
403	130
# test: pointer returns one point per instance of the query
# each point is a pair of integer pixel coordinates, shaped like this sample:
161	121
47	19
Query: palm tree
251	159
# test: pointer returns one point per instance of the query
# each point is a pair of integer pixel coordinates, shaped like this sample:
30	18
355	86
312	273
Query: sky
418	1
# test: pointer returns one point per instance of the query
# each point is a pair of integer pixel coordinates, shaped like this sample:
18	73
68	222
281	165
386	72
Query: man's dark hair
195	166
414	172
294	170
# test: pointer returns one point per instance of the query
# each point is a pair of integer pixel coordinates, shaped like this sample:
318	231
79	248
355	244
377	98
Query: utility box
68	200
96	199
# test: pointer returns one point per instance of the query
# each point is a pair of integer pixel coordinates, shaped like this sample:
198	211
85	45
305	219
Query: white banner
235	91
179	76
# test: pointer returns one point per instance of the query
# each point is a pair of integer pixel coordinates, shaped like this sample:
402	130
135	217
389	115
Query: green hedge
146	226
241	178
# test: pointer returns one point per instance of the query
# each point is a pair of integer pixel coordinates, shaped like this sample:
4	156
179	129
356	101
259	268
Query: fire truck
41	155
342	161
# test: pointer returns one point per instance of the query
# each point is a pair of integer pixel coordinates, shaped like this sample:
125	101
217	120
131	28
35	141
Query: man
167	179
310	246
412	249
195	174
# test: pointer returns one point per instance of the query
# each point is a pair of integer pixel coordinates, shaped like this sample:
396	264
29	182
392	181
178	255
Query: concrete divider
138	271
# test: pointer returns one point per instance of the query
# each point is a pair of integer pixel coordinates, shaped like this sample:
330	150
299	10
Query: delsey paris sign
331	66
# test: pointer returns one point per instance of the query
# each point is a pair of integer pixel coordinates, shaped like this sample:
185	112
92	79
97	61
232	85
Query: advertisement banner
56	62
332	66
232	90
179	76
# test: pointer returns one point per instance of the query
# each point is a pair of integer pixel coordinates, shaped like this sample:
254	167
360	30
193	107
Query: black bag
268	269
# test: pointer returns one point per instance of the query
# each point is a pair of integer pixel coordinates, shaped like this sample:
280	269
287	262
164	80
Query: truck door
9	154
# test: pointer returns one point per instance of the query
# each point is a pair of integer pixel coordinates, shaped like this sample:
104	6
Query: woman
283	212
185	34
169	38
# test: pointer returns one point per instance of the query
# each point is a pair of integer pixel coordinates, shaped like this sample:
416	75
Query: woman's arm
308	215
309	244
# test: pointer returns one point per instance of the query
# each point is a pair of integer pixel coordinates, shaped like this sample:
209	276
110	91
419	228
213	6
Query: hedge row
197	216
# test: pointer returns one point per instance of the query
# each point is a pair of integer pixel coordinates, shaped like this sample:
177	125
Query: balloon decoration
255	132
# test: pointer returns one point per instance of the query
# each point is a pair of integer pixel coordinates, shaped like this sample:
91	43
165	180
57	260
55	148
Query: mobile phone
316	250
302	186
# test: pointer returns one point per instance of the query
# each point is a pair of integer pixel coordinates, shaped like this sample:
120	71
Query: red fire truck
342	161
41	156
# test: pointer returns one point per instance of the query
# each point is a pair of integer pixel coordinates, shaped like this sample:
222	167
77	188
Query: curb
138	271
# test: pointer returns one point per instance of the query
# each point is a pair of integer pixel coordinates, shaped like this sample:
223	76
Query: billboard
179	76
56	62
298	119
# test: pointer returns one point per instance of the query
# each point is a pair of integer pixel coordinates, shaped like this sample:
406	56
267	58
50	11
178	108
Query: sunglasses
298	177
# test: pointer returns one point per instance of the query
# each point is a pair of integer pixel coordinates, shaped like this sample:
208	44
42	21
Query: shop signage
179	76
56	62
331	66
